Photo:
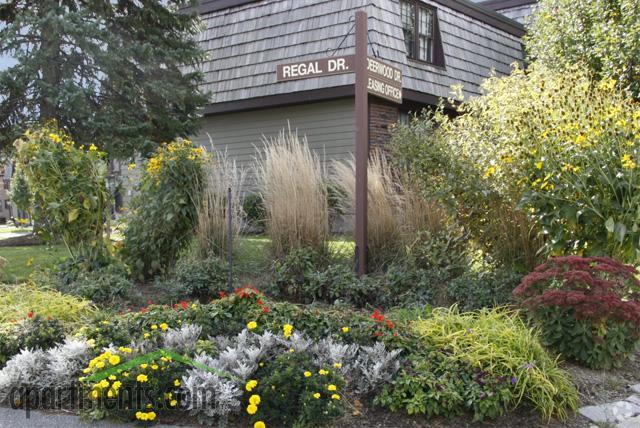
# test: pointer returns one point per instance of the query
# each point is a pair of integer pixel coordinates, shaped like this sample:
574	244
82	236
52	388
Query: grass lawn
12	229
24	260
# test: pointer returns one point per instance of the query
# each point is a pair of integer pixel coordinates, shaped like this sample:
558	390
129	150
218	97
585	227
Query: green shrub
39	332
483	289
290	398
254	211
589	308
192	277
499	343
445	251
434	384
293	271
68	185
164	212
8	347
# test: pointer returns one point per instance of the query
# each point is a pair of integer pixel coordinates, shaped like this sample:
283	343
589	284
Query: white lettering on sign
315	68
339	64
384	71
384	89
301	70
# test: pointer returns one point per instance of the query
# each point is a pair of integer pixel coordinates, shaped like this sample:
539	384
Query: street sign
316	68
384	80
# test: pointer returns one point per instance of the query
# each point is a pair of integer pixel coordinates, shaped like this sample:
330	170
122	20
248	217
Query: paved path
10	418
620	414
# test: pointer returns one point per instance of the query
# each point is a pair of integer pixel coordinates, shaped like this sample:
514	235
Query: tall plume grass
292	184
212	230
384	205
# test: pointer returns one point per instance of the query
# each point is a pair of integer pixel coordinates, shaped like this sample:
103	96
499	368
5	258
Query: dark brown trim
438	52
506	4
411	98
281	100
473	10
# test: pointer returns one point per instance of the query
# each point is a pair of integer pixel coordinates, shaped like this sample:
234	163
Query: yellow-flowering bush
164	213
566	149
68	186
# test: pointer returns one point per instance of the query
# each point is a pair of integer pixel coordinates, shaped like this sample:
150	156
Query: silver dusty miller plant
184	339
55	369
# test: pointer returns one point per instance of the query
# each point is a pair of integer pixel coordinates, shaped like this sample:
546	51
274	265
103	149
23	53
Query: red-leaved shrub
589	307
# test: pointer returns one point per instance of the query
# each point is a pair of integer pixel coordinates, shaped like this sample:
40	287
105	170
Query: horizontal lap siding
328	126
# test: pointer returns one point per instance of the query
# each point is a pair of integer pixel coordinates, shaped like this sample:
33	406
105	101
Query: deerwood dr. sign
383	80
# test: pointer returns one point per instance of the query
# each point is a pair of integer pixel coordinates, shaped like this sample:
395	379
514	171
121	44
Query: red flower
377	333
184	304
149	302
222	294
389	324
265	310
259	302
377	315
30	314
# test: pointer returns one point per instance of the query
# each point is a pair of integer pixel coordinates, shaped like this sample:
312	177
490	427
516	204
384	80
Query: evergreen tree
121	74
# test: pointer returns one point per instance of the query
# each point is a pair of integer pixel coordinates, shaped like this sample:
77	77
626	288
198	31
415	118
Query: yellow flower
335	397
100	364
116	385
176	383
92	148
144	366
125	350
110	393
112	377
287	329
147	335
322	372
337	365
254	399
251	325
30	261
154	367
489	171
154	327
250	385
151	415
332	387
114	360
104	384
125	374
259	424
173	403
142	378
252	409
131	166
345	329
539	165
316	395
628	162
307	374
86	371
95	394
291	350
164	326
55	138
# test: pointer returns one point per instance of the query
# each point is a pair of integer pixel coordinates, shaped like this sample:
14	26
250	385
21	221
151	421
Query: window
420	29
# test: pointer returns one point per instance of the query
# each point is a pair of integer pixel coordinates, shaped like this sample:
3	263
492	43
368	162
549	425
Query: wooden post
362	142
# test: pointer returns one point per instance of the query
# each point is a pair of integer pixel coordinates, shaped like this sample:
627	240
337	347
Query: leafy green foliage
435	384
164	212
110	73
484	288
192	277
289	398
20	194
254	211
604	36
499	343
68	184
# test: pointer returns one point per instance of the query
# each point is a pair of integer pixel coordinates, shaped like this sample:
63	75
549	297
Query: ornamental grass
24	300
500	343
292	184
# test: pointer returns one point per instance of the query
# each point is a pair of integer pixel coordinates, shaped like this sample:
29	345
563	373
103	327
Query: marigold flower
93	148
142	378
316	395
335	397
251	325
164	326
114	360
104	384
95	394
176	383
250	385
100	364
252	409
154	327
173	403
287	329
345	329
337	365
322	372
307	374
259	424
254	399
332	387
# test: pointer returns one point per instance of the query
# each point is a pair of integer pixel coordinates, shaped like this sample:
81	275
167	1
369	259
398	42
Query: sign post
362	143
372	76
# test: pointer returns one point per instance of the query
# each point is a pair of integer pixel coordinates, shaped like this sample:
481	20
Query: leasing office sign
383	80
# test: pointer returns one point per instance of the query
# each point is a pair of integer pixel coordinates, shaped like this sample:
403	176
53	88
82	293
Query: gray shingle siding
521	14
246	43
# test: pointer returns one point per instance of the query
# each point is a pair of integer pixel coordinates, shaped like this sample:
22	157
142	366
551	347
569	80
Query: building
518	10
436	44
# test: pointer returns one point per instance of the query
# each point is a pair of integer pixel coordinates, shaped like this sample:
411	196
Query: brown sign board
316	68
384	80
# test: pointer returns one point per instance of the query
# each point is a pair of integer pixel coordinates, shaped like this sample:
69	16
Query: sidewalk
10	418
